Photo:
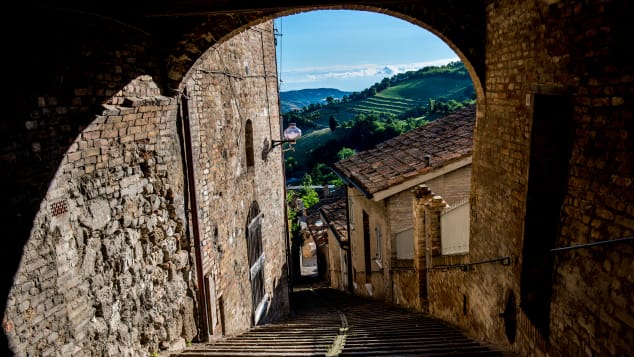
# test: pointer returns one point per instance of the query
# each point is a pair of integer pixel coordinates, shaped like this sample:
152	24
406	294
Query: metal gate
256	259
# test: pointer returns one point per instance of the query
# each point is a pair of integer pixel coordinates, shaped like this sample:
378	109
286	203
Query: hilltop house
387	242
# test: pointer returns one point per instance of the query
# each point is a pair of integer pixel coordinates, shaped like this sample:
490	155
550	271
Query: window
248	143
350	211
379	250
256	257
454	229
405	244
366	246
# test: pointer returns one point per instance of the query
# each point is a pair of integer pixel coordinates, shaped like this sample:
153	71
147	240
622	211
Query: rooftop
336	219
315	224
395	161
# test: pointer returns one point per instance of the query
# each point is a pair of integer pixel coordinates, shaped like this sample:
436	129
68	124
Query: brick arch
462	28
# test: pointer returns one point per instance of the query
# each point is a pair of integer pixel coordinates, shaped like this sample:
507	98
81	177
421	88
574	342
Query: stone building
317	230
386	262
335	218
551	185
153	231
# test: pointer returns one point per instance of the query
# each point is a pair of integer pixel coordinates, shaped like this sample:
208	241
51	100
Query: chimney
427	159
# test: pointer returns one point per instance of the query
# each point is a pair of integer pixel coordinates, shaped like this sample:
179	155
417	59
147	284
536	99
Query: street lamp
291	134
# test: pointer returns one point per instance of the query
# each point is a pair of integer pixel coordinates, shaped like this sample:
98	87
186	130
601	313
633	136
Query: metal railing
593	244
465	267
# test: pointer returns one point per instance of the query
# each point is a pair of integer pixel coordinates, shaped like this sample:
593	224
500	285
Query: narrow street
328	322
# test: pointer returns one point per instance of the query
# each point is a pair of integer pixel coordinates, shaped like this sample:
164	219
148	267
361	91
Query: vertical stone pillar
422	194
433	209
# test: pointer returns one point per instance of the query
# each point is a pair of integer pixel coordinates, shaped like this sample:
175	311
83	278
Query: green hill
392	96
298	99
384	110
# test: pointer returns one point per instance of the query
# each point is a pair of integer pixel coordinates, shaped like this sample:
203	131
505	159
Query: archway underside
188	29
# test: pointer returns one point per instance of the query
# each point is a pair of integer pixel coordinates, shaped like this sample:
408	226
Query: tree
309	195
323	175
345	153
333	123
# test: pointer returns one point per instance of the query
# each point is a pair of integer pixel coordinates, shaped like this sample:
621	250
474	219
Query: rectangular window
350	211
379	250
454	229
405	244
366	246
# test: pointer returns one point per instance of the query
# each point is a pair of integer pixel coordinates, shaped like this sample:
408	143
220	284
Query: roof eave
351	182
417	180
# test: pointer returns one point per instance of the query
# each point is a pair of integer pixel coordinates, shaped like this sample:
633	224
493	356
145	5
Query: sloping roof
316	227
401	158
336	219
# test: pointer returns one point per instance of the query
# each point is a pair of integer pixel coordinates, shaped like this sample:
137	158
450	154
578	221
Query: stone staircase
327	322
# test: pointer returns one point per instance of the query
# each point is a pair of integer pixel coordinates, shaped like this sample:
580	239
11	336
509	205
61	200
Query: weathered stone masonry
107	268
231	84
109	265
72	60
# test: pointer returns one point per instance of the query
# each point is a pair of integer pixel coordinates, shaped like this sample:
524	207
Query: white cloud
342	72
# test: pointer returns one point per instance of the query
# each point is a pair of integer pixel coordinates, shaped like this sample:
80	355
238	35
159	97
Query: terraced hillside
386	104
400	103
405	92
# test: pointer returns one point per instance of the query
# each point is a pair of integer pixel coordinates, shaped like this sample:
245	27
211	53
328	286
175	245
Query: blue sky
351	50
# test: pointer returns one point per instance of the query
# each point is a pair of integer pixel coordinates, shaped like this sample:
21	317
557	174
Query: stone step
326	320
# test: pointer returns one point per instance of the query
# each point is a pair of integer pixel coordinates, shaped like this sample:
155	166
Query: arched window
256	260
248	143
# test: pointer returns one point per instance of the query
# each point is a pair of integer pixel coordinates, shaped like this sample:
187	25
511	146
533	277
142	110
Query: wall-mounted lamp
291	134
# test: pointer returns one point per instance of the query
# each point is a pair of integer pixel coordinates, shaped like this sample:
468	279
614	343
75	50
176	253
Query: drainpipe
183	115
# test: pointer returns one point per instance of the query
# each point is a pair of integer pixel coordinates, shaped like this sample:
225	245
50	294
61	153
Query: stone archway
75	59
99	165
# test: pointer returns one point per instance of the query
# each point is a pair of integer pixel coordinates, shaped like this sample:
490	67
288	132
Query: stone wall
231	84
454	187
574	49
106	270
377	214
335	254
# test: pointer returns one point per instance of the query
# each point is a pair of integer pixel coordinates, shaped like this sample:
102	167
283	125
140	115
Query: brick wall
108	265
454	186
565	48
60	77
106	270
232	83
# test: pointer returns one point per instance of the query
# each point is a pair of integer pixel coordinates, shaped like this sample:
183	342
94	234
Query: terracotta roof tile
335	215
401	158
319	231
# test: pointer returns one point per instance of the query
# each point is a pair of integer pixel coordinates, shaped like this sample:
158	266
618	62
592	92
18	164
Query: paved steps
327	322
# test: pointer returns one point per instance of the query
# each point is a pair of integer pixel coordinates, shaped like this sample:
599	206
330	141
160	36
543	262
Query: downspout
183	115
